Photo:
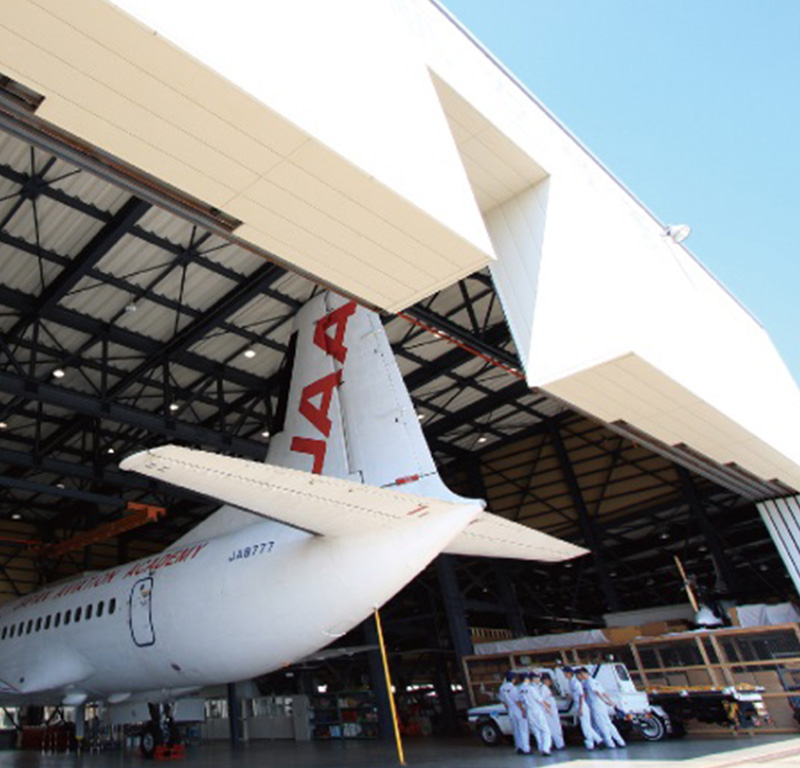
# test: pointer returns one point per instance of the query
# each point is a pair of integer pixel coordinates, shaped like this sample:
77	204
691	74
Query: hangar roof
149	315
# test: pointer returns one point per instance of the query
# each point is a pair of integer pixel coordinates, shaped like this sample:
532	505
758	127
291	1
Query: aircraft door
140	612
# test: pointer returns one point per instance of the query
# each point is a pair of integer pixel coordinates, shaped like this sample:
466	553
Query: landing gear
160	737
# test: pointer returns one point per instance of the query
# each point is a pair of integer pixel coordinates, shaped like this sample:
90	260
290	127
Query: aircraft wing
334	507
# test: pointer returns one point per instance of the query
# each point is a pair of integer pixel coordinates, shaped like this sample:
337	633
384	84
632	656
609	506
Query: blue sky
695	106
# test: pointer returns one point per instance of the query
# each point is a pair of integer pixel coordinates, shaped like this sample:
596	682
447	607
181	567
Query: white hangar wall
607	313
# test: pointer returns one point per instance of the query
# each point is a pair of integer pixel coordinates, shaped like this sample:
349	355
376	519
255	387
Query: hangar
166	208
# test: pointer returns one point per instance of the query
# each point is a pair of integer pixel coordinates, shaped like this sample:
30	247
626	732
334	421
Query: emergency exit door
140	607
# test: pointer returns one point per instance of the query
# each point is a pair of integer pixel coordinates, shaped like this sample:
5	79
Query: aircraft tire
149	741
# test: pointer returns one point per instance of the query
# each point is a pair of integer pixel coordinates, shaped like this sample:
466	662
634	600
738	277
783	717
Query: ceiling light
482	439
3	425
59	373
420	416
131	307
265	433
173	407
249	353
663	536
110	450
16	516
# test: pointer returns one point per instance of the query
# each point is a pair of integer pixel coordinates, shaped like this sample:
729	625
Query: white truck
633	711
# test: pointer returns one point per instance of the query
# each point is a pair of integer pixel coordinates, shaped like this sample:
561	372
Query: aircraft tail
348	413
349	417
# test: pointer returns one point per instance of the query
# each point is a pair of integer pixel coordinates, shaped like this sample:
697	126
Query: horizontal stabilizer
334	507
324	505
490	535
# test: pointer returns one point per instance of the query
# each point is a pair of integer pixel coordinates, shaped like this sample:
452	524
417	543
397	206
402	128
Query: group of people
531	705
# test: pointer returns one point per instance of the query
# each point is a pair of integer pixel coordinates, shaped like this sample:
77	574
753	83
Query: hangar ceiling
125	325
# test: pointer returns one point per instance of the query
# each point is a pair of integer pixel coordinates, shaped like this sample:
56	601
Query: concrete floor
782	751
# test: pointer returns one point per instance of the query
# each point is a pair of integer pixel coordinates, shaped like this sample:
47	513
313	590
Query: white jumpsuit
601	719
553	718
510	696
590	736
537	722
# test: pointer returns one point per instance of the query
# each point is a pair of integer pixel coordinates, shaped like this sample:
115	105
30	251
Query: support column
588	528
80	725
378	678
233	716
725	570
508	594
454	607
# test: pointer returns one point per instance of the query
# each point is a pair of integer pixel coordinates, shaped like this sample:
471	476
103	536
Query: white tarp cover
760	615
584	637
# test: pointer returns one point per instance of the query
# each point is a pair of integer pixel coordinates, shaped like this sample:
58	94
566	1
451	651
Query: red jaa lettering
334	345
315	448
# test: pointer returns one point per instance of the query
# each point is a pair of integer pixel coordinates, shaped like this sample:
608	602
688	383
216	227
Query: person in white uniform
509	695
590	736
553	718
536	708
599	702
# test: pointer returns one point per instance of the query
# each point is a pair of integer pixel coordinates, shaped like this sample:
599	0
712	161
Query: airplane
348	508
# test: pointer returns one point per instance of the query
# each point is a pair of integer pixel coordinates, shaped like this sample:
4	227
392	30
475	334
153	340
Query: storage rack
344	715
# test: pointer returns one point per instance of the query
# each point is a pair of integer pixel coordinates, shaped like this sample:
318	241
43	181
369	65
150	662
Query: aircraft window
100	609
88	612
58	619
47	621
112	605
30	627
39	624
5	632
20	628
67	616
78	613
11	634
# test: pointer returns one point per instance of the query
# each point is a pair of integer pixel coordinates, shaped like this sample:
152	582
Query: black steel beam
449	361
587	525
475	410
438	322
144	345
20	484
87	405
709	530
119	226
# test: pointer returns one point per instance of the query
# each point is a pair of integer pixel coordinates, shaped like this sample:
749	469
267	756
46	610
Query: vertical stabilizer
348	413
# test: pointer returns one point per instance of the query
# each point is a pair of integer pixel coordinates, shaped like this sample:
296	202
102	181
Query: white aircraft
348	510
